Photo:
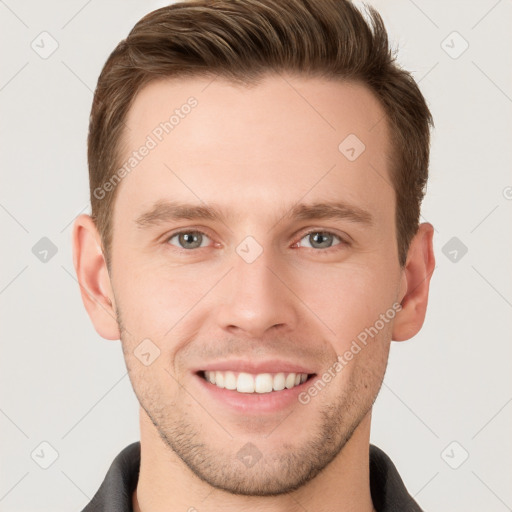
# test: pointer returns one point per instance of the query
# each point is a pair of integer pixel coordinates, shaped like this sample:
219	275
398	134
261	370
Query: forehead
287	137
326	108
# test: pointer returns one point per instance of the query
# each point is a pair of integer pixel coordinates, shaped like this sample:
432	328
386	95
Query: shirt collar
115	493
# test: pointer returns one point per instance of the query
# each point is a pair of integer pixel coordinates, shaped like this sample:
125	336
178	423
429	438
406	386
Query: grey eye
189	239
320	239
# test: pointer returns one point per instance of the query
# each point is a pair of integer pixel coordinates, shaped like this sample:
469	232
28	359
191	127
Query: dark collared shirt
115	493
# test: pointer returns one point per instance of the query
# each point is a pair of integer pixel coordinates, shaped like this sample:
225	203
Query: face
253	285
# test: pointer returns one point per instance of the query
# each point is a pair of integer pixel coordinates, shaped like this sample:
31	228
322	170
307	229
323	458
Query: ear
93	277
415	282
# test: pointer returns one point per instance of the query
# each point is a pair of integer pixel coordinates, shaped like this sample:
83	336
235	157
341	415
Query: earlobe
93	278
415	281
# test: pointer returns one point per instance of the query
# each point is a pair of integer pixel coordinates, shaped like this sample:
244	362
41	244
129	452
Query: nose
259	297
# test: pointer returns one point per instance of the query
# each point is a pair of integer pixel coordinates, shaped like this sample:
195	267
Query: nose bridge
256	297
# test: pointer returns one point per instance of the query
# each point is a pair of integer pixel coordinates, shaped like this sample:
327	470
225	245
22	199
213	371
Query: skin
257	152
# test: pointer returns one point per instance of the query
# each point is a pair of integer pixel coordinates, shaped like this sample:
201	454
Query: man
256	172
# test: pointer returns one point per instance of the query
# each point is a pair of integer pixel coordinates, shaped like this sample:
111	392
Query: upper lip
270	366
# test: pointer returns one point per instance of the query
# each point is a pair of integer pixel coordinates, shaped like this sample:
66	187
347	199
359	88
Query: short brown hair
244	40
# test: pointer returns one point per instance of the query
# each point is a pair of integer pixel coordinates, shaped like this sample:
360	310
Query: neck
166	483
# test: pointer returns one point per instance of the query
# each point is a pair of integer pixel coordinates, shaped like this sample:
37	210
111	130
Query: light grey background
447	392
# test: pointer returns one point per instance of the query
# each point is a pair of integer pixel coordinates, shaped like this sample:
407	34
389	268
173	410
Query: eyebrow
166	211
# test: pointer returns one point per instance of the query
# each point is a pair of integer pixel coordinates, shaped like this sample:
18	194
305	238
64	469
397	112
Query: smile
254	383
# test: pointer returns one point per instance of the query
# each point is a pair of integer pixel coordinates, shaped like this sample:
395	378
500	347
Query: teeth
263	383
290	381
250	383
279	380
245	383
229	380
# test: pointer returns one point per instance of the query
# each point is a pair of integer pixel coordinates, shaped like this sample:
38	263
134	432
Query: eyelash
329	250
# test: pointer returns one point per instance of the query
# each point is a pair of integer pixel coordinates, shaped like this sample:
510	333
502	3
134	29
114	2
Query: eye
194	239
189	239
318	239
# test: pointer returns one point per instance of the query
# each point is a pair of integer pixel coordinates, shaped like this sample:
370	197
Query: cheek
348	299
154	299
160	309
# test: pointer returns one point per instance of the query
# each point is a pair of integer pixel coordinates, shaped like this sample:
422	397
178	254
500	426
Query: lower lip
255	402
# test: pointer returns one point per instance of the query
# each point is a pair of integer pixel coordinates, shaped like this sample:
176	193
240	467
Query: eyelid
330	231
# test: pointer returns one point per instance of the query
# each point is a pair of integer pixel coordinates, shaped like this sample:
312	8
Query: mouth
251	383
